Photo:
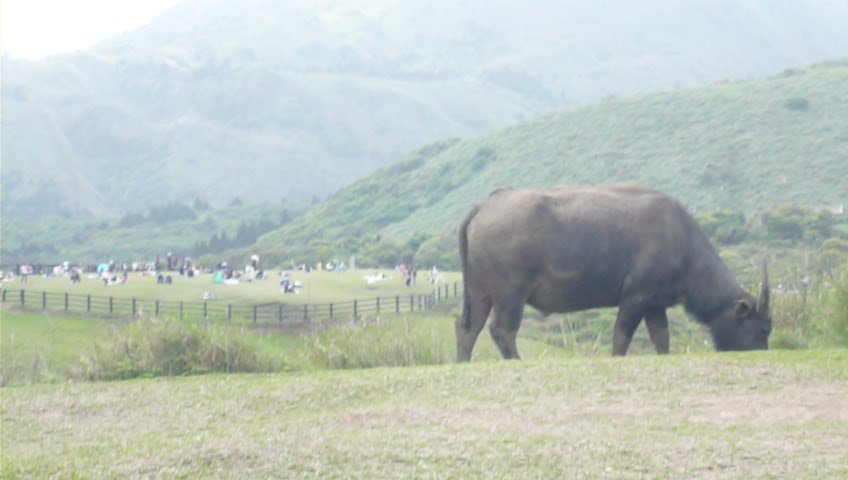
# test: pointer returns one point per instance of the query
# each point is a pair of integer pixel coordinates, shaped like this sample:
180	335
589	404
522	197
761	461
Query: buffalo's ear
742	309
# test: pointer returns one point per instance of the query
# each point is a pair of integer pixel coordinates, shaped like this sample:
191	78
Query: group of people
114	279
23	271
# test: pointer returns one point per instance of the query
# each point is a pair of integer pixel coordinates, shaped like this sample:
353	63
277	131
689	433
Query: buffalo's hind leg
626	322
504	327
475	312
657	323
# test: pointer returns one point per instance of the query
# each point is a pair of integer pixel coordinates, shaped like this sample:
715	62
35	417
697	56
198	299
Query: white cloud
37	28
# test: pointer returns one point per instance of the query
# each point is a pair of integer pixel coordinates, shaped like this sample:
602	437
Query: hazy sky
36	28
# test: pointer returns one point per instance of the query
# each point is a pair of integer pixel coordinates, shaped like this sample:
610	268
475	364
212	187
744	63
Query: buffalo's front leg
625	325
657	323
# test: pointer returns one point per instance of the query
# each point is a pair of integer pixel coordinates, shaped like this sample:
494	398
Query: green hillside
747	146
290	100
182	229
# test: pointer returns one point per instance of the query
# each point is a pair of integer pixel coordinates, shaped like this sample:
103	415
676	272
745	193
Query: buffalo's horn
763	306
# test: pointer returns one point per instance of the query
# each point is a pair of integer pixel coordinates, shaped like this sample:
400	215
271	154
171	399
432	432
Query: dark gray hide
569	249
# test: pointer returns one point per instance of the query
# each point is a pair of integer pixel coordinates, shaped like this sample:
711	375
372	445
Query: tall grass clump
21	368
379	343
834	311
818	317
166	347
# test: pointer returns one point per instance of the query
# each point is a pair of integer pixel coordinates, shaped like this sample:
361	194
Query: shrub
797	104
792	320
725	226
167	347
787	222
835	311
381	343
818	318
22	368
832	255
482	157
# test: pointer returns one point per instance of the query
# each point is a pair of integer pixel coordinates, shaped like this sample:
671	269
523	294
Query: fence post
397	304
44	300
331	311
110	306
280	313
88	303
133	307
4	295
419	303
181	309
23	298
439	293
354	309
305	313
255	313
412	303
66	301
378	305
229	312
205	309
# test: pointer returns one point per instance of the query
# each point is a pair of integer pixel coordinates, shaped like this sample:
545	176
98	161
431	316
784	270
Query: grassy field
381	398
53	348
318	287
760	415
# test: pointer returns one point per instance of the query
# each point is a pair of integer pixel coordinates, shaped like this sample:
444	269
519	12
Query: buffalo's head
745	324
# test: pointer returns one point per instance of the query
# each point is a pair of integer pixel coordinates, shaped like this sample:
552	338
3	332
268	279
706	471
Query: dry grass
770	414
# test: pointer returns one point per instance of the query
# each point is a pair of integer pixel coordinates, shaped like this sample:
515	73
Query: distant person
285	283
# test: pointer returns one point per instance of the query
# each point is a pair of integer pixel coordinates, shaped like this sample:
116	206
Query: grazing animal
570	249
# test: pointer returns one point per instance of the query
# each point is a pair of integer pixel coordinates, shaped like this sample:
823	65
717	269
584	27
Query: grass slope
747	146
763	415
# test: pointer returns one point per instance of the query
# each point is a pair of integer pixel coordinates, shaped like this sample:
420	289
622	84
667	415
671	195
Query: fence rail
271	313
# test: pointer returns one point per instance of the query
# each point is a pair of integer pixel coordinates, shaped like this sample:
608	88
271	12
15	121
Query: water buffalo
570	249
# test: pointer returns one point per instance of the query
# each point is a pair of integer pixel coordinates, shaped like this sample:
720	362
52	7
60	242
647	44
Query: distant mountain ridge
273	101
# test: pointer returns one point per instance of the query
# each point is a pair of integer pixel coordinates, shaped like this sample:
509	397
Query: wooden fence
260	313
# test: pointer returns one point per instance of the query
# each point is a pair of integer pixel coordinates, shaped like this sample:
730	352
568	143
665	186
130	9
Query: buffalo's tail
465	318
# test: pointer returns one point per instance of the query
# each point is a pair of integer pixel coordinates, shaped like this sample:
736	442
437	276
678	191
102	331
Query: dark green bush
797	104
482	157
725	226
786	223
